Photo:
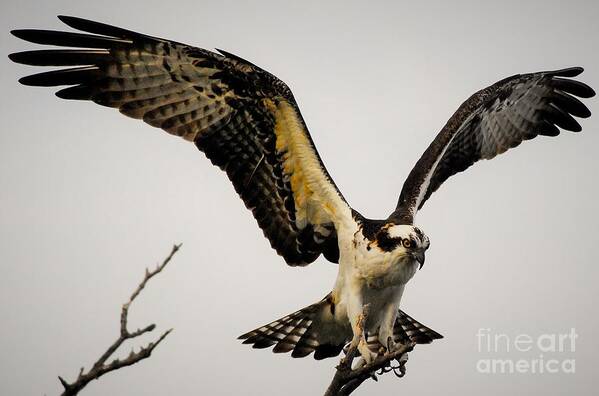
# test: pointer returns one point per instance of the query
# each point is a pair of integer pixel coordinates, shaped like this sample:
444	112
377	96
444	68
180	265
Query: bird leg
386	329
359	341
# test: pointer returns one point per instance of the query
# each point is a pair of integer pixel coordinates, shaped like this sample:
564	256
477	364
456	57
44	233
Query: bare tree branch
101	367
348	379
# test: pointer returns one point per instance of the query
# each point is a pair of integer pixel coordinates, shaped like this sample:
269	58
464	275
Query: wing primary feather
567	72
78	92
573	87
67	39
571	104
97	27
108	30
546	128
563	119
60	57
61	77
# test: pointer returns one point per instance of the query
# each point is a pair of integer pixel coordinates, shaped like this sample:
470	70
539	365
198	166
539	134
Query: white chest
367	265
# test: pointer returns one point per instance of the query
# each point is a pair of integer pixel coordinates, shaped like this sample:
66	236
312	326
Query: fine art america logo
545	353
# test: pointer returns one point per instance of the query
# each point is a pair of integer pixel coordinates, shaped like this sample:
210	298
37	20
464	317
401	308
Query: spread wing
491	122
243	118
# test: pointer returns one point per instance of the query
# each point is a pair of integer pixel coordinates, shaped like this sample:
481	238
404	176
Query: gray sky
89	198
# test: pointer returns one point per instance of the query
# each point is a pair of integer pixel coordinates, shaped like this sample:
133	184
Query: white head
405	240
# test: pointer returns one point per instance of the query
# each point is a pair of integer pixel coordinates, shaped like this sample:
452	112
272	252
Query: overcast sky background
89	198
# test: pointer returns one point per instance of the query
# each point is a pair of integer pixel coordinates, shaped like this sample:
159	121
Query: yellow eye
407	243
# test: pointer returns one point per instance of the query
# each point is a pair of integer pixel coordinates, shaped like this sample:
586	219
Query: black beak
419	256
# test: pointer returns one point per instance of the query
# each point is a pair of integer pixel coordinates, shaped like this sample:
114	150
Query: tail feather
297	333
314	329
284	333
294	334
327	350
406	330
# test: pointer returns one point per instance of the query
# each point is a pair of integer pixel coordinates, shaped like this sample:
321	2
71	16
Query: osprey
247	123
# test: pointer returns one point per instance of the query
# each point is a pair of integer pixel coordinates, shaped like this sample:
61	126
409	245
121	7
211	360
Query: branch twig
100	367
348	379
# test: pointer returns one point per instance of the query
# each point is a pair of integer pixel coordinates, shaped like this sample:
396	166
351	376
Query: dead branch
348	379
101	367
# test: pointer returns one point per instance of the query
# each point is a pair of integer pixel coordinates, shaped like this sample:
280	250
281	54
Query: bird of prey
247	123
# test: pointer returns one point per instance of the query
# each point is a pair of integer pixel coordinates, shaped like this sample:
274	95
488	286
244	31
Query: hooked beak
419	256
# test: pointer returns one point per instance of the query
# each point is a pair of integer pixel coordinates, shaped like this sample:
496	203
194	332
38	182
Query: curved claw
390	344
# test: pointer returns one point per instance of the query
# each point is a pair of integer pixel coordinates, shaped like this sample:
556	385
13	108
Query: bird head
406	241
